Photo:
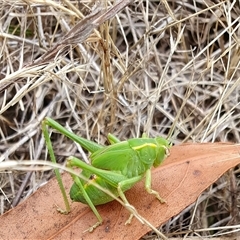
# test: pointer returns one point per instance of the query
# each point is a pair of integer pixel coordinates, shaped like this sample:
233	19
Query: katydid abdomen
98	197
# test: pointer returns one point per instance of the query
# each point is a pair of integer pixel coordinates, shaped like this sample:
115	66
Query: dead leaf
189	170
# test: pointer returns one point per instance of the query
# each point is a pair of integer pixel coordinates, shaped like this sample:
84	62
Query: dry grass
168	68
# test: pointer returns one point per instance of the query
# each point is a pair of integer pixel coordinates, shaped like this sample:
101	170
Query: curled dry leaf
189	170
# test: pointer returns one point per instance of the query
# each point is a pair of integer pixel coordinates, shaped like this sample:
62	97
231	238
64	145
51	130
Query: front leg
148	183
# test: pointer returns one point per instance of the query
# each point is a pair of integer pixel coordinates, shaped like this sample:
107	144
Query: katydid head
162	150
147	152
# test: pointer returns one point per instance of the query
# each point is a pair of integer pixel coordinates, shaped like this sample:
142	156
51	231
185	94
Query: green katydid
116	167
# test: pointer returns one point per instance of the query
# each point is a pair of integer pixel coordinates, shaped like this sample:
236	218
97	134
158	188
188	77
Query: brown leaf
189	170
